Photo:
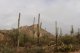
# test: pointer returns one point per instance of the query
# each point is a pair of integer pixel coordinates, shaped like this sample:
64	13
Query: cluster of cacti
38	29
45	43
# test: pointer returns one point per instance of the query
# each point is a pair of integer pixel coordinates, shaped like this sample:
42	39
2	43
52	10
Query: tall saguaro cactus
38	30
33	27
78	31
61	32
18	30
56	29
40	25
72	30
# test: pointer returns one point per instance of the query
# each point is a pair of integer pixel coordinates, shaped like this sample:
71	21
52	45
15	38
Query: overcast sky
65	12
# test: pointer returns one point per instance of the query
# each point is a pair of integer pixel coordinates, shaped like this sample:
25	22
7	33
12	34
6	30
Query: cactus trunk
56	36
18	30
33	28
38	30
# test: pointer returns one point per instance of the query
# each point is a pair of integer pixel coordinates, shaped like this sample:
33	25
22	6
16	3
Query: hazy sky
65	12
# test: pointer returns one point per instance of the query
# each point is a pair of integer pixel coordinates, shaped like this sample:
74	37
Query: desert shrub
45	40
48	49
6	49
67	39
69	43
65	48
35	49
13	36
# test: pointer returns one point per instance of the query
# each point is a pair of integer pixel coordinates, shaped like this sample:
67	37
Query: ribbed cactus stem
72	30
40	25
18	29
33	27
78	31
38	28
60	32
56	28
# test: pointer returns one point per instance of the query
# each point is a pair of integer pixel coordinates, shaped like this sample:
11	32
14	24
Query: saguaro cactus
78	31
33	27
56	29
18	30
60	32
40	25
72	30
38	30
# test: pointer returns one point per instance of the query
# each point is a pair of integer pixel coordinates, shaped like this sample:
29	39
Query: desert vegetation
35	39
